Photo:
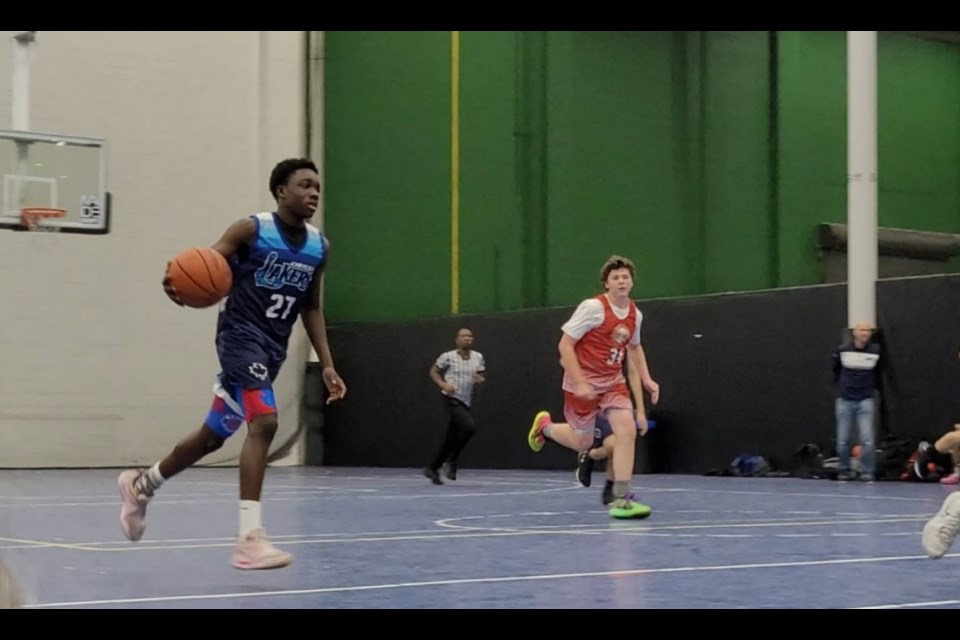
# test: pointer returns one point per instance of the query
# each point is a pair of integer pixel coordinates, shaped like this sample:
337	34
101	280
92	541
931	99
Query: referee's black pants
460	428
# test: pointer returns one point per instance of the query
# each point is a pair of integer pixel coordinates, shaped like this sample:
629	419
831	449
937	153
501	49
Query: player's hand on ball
168	287
334	383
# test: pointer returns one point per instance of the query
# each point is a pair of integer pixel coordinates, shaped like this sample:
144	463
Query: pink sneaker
256	552
133	511
953	478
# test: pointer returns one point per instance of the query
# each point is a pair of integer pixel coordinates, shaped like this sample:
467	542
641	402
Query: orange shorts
581	413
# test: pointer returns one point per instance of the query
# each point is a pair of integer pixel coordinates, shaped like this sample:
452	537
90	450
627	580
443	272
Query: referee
456	372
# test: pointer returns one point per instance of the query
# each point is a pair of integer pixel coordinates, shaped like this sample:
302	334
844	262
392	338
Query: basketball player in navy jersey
277	260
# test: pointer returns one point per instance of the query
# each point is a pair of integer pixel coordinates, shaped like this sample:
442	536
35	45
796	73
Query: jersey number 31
616	356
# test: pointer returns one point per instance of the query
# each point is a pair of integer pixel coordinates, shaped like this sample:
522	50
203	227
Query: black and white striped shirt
459	372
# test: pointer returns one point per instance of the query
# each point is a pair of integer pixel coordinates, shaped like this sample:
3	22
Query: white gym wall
98	367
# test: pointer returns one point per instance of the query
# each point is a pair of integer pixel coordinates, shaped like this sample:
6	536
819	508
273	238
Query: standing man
456	372
856	366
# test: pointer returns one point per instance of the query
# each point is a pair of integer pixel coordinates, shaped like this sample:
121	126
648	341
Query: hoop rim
30	216
43	212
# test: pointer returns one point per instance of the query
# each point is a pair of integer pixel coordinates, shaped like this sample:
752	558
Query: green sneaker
625	509
535	436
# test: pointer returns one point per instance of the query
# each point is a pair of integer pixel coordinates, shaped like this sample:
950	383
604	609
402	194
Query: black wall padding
739	373
757	381
393	414
920	318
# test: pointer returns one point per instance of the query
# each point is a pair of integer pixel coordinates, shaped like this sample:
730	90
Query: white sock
149	481
154	474
249	517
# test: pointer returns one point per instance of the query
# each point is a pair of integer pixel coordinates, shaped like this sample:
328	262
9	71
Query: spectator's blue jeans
862	411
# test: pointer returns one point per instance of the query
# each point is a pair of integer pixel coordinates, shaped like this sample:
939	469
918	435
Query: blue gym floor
387	538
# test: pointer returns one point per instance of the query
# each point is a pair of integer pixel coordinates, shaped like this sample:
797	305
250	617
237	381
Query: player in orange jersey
600	334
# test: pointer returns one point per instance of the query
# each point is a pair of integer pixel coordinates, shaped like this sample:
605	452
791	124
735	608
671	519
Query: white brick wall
97	367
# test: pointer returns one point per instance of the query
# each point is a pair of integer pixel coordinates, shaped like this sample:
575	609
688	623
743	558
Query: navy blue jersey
856	370
271	279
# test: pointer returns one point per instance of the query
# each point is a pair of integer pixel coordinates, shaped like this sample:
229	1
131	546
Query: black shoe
607	495
450	470
433	475
584	469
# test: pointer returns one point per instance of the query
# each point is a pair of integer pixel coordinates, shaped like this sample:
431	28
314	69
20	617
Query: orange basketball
201	277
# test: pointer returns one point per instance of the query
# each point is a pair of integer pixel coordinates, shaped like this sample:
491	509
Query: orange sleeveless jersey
602	349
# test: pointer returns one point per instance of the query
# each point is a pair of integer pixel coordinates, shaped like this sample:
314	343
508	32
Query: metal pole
20	111
862	176
316	65
21	79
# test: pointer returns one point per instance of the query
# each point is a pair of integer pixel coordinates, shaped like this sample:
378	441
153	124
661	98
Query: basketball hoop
34	218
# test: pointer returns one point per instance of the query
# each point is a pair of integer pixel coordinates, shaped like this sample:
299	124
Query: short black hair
286	168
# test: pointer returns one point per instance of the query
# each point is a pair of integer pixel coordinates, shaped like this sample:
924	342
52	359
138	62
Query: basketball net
34	218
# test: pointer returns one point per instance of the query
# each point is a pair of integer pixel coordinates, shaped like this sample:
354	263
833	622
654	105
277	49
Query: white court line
694	524
907	605
496	580
391	483
414	476
445	495
287	536
375	495
844	496
331	493
447	532
797	523
196	494
194	498
280	490
126	547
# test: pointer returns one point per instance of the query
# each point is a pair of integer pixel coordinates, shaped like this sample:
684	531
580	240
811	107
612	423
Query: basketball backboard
54	171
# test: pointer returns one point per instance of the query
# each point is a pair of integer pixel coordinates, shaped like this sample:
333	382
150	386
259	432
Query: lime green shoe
624	509
535	437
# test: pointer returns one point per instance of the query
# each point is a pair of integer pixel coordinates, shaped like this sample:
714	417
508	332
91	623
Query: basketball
200	276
